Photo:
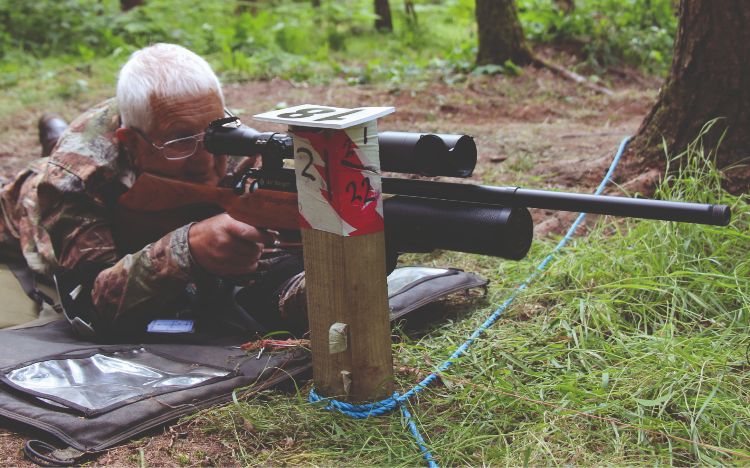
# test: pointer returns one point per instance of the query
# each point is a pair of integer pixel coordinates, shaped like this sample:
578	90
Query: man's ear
129	139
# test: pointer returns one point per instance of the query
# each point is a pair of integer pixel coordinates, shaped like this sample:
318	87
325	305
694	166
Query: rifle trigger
241	187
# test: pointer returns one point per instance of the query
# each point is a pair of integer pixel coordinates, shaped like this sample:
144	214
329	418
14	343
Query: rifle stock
262	208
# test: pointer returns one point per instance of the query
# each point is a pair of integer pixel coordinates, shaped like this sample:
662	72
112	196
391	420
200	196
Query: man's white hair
161	71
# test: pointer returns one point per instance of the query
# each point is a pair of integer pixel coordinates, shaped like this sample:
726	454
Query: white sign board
311	115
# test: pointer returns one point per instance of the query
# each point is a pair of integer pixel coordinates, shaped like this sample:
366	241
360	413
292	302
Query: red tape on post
338	179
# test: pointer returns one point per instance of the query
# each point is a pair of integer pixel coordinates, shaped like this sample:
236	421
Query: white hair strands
161	71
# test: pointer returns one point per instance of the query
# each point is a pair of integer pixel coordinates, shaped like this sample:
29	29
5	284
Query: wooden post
346	283
341	214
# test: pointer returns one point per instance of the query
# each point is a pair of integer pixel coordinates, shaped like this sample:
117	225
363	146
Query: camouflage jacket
59	212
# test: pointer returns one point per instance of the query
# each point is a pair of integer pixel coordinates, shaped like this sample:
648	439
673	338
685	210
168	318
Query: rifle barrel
516	197
716	215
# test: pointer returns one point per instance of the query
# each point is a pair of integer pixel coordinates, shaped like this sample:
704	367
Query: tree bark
383	21
411	12
126	5
245	6
500	34
709	79
566	6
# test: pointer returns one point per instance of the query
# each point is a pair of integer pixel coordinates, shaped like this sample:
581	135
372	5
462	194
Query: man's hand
226	247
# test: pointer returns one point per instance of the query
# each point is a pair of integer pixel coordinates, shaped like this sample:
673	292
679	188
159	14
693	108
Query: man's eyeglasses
179	148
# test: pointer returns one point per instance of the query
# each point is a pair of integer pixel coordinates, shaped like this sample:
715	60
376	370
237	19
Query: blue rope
417	436
389	404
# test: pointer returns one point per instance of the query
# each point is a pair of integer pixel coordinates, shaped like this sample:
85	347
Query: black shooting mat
31	358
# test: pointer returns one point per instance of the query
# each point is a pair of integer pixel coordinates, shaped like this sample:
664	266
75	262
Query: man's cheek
220	165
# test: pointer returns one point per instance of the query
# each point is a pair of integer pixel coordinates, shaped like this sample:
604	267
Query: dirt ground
534	130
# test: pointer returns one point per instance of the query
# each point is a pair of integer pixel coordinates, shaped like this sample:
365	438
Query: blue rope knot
362	411
380	408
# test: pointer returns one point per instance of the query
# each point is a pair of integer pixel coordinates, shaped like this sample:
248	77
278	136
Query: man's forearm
128	294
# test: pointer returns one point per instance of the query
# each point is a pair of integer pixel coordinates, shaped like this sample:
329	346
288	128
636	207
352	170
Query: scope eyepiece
240	140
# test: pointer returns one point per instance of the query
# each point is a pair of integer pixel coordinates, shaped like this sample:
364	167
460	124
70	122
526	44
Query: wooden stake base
345	282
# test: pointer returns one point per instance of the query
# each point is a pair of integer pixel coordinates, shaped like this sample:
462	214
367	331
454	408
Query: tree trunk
709	78
383	21
245	6
411	12
566	6
126	5
500	34
315	3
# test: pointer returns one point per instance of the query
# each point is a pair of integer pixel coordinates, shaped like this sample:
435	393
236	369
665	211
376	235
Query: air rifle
420	215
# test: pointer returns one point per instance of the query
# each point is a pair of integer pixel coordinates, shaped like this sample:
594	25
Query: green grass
54	83
631	349
606	33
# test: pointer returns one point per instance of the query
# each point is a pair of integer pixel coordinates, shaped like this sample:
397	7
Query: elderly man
59	213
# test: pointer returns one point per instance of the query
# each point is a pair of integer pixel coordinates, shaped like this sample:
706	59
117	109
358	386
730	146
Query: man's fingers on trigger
241	264
259	252
248	233
269	237
264	237
240	230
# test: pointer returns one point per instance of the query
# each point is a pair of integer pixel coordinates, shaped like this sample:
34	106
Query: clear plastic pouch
108	379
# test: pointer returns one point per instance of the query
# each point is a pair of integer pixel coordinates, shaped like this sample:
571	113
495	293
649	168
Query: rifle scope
411	153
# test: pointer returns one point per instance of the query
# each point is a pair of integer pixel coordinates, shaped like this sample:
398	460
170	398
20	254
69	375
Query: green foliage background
293	40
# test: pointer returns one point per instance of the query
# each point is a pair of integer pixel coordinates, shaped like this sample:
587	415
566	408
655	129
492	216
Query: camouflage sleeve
127	295
75	227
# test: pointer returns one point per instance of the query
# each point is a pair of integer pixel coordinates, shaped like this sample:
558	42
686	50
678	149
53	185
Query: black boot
51	127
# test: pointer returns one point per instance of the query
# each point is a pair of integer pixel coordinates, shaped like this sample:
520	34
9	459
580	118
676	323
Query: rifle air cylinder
423	225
